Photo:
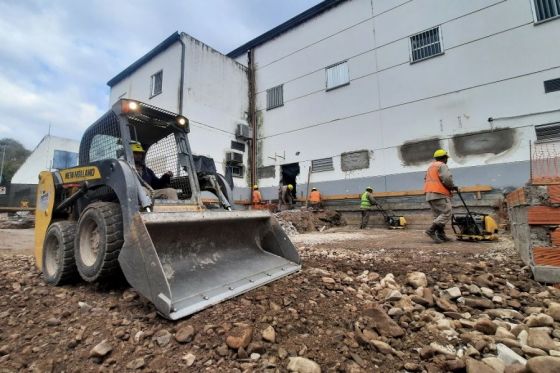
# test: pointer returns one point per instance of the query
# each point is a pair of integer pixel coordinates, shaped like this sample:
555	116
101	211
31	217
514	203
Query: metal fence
545	163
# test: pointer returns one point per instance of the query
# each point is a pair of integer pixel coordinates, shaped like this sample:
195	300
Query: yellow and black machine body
473	226
101	220
393	221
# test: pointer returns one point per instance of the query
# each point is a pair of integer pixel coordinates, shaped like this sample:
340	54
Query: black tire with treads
59	266
99	239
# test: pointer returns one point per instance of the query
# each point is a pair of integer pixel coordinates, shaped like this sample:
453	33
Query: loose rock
303	365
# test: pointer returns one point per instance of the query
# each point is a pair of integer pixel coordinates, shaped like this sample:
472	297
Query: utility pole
2	166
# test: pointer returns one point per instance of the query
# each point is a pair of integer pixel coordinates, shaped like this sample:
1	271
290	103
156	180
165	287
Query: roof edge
145	58
286	26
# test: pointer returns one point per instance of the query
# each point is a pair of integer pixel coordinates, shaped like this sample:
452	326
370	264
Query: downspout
182	76
252	117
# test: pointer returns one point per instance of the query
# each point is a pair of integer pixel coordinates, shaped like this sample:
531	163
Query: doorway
288	175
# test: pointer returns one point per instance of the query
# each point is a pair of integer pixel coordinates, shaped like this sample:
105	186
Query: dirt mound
310	221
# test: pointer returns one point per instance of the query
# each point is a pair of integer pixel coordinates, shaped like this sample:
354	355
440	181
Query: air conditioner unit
234	158
243	131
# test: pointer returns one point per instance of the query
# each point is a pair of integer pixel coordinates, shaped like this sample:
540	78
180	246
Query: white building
363	92
52	152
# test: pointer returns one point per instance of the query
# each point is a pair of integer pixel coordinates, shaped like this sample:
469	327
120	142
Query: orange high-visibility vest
315	196
433	183
257	196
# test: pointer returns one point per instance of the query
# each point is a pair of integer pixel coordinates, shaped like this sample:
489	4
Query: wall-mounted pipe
182	75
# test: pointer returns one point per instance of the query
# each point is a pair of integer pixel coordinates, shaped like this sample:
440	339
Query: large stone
382	347
539	320
393	296
532	351
453	292
503	313
384	325
508	356
163	337
502	332
554	311
475	366
477	302
136	364
269	334
486	326
445	304
239	337
539	338
101	349
303	365
444	350
189	359
417	279
185	334
498	365
515	368
544	364
487	292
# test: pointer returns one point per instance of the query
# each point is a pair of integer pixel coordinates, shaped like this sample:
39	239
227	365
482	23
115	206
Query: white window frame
327	88
440	39
277	104
153	92
535	19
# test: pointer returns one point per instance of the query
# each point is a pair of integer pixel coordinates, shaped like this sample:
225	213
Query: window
546	9
548	132
236	171
266	172
236	145
337	75
274	97
321	165
105	147
157	84
63	159
552	85
425	45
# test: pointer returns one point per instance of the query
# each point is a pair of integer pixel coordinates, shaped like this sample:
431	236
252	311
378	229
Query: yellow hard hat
290	186
137	147
255	186
440	153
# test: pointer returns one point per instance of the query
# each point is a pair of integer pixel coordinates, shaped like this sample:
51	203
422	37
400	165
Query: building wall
494	63
41	159
215	96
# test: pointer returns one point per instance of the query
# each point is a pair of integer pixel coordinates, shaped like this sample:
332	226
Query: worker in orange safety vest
315	199
438	185
257	198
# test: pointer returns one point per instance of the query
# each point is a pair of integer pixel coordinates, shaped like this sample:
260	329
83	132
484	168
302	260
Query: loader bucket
184	262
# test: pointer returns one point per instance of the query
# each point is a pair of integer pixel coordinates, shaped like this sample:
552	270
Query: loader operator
160	185
285	197
366	202
438	187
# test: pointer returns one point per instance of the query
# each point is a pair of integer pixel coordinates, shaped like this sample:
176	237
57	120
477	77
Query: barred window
546	9
548	132
274	97
425	45
337	75
156	83
321	165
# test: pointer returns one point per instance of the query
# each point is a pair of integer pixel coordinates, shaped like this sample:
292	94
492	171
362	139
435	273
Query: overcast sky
56	56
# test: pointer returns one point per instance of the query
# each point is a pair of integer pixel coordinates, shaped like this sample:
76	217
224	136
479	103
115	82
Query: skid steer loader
98	221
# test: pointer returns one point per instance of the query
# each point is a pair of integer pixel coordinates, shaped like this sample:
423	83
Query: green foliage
14	157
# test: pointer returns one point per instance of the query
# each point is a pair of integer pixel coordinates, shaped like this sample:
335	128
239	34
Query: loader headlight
182	121
129	106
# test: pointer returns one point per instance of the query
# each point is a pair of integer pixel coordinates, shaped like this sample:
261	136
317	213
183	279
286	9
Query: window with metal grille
274	97
552	85
237	171
425	45
102	140
546	9
548	132
337	75
321	165
236	145
157	84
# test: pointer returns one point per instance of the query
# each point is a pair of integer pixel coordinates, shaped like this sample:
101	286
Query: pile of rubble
308	221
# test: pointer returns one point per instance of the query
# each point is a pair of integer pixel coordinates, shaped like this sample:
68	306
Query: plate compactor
393	221
473	226
101	220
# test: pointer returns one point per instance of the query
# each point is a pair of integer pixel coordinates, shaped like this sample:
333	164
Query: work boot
441	234
432	233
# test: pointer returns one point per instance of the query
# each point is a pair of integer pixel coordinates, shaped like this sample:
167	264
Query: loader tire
59	266
99	239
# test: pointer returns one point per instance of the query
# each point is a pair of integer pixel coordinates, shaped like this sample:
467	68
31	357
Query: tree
14	157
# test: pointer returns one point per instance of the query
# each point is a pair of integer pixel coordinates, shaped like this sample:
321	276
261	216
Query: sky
56	56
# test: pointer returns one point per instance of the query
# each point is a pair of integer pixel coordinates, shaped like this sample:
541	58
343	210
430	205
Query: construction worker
160	185
285	197
315	199
438	187
366	203
257	198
